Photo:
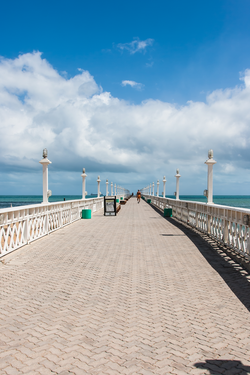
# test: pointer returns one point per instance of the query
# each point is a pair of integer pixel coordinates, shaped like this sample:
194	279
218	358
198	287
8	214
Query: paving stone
132	294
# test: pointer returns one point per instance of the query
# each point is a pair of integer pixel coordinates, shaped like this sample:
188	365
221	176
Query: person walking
138	196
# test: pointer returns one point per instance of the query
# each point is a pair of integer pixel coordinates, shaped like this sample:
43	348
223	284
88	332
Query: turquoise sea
242	201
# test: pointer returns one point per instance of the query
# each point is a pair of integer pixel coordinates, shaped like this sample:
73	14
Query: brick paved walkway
130	294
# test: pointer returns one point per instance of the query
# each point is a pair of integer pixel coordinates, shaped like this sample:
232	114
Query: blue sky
153	59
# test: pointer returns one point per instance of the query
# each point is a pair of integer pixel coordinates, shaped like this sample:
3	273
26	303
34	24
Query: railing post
83	183
26	228
208	224
210	162
225	231
164	186
177	183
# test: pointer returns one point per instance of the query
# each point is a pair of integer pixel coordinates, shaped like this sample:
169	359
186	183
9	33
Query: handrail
23	224
228	225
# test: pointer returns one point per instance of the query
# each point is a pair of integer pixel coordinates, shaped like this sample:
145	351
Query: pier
132	294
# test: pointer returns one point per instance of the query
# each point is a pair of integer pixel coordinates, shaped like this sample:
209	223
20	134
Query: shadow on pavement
232	273
229	367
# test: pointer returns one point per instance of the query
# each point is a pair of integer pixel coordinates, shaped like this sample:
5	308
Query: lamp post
98	186
177	183
107	187
45	162
153	189
164	186
157	193
210	163
111	188
115	188
83	183
150	189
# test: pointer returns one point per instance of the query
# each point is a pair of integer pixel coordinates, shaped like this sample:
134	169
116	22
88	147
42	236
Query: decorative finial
210	154
83	170
45	153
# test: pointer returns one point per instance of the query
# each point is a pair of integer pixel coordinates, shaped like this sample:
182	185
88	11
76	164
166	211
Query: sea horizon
6	201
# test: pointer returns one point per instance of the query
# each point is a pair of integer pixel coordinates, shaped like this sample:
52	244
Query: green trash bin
117	201
167	212
86	214
149	200
121	198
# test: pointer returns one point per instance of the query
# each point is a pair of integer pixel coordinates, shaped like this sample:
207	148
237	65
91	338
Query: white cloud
133	84
136	45
79	123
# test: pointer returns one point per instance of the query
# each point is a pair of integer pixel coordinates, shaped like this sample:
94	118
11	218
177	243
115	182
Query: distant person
138	196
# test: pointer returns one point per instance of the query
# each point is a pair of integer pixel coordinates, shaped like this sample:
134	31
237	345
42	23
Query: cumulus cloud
133	84
136	45
83	126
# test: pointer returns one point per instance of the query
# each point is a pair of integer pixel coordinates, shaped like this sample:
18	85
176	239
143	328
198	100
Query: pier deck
132	294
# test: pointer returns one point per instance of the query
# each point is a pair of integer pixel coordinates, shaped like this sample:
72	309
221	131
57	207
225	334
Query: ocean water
242	201
24	200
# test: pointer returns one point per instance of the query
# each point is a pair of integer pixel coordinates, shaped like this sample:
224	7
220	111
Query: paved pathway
130	294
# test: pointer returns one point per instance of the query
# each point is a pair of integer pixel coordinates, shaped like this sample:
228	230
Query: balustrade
24	224
228	225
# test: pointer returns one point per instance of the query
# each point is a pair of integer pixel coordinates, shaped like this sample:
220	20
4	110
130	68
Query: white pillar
210	162
164	186
150	189
45	162
115	188
153	189
158	183
112	189
107	188
98	186
83	183
177	184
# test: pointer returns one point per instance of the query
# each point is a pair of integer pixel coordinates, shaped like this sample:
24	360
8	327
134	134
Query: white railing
21	225
228	225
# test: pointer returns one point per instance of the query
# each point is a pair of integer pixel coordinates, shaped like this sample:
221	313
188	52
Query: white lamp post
111	188
115	188
157	192
150	189
153	189
164	186
83	183
98	186
177	184
210	162
107	187
45	162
